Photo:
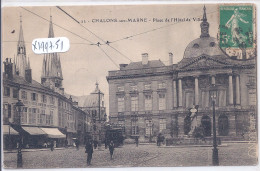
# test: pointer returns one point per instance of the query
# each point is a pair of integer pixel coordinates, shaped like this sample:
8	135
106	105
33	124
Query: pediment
205	62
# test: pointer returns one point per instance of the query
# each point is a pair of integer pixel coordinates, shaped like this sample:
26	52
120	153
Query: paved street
129	155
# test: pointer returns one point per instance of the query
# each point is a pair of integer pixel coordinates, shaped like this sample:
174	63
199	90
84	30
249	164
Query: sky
84	64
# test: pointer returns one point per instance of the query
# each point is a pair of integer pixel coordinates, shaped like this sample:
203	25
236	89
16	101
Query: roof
139	65
204	45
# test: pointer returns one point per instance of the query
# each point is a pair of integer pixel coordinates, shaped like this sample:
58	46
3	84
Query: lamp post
150	124
19	107
213	93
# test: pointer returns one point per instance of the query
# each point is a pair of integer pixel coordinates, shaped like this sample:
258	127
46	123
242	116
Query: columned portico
174	94
230	89
237	90
196	90
180	92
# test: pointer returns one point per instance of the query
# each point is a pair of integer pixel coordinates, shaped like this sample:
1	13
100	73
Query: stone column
196	90
230	89
237	90
174	94
213	79
180	92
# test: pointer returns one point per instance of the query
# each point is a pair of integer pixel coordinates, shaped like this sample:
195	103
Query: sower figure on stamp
89	151
233	22
111	149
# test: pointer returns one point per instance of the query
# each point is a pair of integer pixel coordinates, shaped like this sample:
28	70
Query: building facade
47	115
148	97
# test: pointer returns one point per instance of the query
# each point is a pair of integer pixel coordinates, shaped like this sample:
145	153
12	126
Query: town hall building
147	97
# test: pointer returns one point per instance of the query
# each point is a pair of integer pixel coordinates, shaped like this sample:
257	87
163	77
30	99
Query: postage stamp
236	29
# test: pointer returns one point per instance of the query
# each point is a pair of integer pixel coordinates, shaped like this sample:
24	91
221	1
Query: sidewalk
36	149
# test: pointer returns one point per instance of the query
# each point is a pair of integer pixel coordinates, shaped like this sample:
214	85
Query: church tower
20	62
51	66
204	25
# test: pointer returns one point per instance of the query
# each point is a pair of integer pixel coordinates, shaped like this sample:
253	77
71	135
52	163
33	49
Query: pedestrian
95	144
52	145
77	144
136	141
111	149
66	143
89	150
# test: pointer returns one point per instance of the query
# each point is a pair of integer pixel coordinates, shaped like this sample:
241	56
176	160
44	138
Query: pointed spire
204	25
204	14
21	44
28	64
51	33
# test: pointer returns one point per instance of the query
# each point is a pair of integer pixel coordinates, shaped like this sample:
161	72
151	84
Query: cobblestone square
132	156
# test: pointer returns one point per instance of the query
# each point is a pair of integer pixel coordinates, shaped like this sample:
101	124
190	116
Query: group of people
89	150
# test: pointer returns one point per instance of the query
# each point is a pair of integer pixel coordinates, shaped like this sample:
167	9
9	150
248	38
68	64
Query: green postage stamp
236	29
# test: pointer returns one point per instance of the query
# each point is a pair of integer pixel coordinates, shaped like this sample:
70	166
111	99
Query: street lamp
213	94
19	108
150	124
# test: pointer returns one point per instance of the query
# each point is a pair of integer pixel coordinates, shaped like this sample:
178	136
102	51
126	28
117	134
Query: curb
35	150
187	146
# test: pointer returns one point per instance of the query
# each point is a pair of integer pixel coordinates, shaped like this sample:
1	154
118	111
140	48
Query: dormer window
212	44
196	45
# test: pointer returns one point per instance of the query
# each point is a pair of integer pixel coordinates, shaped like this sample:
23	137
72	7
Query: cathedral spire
204	25
20	61
51	66
51	33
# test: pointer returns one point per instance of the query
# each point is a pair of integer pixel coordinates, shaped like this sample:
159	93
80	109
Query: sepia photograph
117	86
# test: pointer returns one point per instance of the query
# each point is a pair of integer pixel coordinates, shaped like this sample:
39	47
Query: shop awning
33	130
53	133
6	130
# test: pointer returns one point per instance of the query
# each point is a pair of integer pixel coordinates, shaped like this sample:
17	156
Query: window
44	98
161	85
34	96
162	105
251	79
32	115
42	117
15	93
252	97
134	103
148	127
121	104
9	111
7	91
133	87
148	86
60	119
196	45
212	44
24	115
121	88
24	95
162	123
134	126
148	102
52	100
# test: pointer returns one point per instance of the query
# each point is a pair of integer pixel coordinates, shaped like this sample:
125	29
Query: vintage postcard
99	86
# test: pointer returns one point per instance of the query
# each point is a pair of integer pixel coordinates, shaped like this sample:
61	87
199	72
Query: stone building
148	97
47	114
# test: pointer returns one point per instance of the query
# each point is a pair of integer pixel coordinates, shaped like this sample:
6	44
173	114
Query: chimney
145	58
8	68
170	58
122	66
28	75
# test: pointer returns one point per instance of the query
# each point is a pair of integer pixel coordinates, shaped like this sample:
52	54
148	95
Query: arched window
196	45
223	125
206	125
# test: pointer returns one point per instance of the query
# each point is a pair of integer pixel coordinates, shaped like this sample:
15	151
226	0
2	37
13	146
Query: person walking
52	145
111	149
77	144
89	151
136	141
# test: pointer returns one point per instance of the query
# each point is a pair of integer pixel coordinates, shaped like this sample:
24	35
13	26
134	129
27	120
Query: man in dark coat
136	141
89	150
111	149
52	145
